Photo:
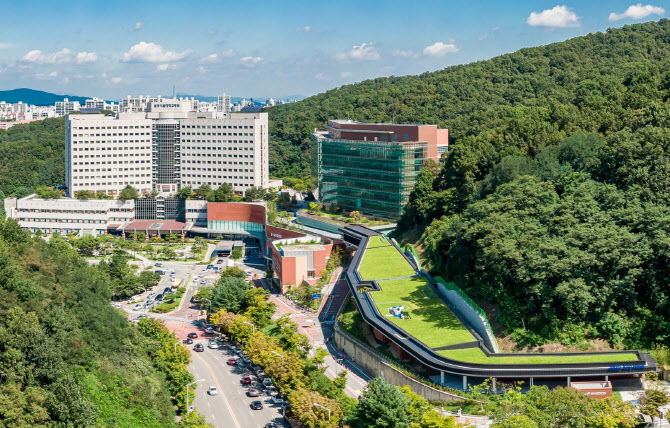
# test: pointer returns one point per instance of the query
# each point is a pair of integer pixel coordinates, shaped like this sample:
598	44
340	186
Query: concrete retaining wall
372	364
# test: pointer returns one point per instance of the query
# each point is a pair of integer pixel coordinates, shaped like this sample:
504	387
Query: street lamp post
280	356
253	327
188	408
210	304
324	408
175	346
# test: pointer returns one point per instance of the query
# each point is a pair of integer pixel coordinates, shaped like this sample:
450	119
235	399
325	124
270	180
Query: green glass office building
372	177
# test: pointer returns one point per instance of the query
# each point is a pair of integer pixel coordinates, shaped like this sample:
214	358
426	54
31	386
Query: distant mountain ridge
257	100
38	98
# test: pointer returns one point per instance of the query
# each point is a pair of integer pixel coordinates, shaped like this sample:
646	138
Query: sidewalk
309	325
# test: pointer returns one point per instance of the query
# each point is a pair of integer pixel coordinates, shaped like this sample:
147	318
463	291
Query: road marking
225	400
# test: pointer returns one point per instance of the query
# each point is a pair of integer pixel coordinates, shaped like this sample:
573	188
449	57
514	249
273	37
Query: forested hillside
67	358
553	202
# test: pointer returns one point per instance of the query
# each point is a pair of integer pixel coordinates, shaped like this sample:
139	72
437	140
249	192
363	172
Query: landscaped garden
384	263
428	319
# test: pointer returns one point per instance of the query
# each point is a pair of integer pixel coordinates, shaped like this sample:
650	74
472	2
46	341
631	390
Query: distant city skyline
274	49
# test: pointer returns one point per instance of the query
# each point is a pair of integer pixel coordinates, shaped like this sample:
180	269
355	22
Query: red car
246	380
232	361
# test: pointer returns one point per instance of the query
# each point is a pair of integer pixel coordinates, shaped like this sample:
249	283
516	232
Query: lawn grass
476	355
384	263
378	241
430	320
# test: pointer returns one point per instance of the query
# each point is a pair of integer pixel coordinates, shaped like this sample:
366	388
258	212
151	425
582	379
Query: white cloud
38	57
405	54
162	67
53	74
345	74
250	61
487	34
440	49
229	53
320	76
365	51
306	28
151	52
116	80
86	57
137	27
202	70
6	45
637	11
209	59
558	17
211	32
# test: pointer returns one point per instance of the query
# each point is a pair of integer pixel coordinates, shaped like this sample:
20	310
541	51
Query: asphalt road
231	407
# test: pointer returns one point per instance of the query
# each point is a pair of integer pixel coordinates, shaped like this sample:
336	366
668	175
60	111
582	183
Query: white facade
107	154
65	107
232	150
65	216
165	148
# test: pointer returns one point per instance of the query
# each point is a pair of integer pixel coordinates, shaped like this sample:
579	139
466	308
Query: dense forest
553	202
67	358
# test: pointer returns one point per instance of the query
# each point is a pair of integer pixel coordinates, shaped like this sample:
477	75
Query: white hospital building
166	147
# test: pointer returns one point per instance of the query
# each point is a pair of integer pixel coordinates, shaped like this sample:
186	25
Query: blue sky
273	48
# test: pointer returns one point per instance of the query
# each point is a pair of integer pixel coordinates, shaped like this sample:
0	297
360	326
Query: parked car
210	266
271	391
193	335
160	272
199	348
142	316
158	264
260	374
252	392
138	306
267	381
232	361
209	330
218	262
246	380
257	405
134	320
134	299
212	390
213	345
277	399
188	341
246	360
271	425
167	290
159	297
150	302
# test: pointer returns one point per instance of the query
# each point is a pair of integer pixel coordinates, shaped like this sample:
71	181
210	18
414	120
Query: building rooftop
354	122
161	225
302	247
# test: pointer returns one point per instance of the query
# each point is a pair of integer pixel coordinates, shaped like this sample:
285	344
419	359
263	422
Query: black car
257	405
159	297
199	348
193	335
188	340
271	425
160	272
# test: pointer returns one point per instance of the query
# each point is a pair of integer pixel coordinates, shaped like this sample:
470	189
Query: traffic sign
316	296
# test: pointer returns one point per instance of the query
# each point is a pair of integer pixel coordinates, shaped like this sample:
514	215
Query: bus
177	283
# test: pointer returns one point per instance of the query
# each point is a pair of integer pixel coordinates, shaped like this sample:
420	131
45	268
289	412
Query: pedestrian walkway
335	300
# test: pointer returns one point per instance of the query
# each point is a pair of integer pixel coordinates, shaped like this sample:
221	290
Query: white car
212	390
213	345
138	306
209	330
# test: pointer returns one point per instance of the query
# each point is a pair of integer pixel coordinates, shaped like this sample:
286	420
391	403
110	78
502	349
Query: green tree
253	194
229	294
383	405
224	193
653	399
128	192
233	272
185	192
236	254
204	192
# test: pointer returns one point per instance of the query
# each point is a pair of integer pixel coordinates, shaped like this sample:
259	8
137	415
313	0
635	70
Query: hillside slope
38	98
564	87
